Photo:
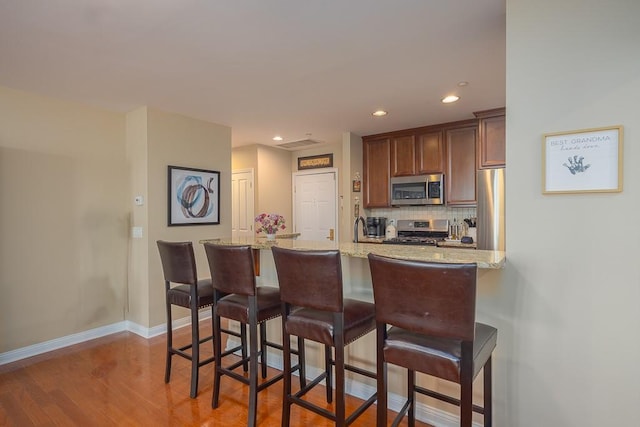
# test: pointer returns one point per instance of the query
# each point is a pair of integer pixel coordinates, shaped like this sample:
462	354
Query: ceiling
299	69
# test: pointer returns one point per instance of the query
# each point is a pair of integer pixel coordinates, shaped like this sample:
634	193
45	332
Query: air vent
299	144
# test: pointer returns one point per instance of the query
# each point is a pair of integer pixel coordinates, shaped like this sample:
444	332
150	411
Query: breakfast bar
357	285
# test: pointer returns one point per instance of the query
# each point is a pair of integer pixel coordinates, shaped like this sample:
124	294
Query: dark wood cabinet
403	155
376	156
460	176
456	149
491	144
429	153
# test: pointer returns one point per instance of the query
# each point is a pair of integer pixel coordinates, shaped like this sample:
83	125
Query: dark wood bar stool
313	308
237	297
179	267
431	310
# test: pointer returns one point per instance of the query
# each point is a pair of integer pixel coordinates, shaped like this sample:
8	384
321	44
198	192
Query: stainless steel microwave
417	190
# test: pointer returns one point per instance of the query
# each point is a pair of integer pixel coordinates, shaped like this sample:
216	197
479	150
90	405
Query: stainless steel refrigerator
490	223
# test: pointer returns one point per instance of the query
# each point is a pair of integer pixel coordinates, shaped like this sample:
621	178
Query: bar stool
313	308
431	310
237	297
179	267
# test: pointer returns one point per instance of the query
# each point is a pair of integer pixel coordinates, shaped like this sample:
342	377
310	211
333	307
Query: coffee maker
376	226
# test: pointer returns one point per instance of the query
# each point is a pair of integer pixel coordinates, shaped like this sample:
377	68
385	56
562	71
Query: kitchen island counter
483	258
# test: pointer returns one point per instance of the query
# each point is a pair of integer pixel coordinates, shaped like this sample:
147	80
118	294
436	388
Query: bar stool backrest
178	262
435	299
232	268
311	279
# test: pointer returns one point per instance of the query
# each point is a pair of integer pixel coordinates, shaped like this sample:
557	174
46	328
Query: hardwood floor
119	380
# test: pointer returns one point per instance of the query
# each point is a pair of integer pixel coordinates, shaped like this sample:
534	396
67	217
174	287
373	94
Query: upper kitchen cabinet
430	153
403	155
491	126
376	156
460	176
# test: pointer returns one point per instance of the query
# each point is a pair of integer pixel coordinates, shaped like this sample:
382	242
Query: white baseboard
55	344
125	325
424	413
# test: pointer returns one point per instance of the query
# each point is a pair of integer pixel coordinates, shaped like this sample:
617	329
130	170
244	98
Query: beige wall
181	141
567	304
68	176
272	172
63	218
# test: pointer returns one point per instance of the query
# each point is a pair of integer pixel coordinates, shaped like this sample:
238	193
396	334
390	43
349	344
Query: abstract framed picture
194	196
582	161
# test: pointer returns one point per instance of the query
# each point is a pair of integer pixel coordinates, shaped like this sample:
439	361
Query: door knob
331	234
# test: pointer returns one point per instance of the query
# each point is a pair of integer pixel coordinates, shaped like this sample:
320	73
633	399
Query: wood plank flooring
119	380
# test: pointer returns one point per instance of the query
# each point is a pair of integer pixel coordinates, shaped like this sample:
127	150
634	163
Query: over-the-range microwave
417	190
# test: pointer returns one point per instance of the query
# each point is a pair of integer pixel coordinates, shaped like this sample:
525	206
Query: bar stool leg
253	362
302	370
487	378
217	350
329	372
167	369
195	348
338	339
411	383
381	370
263	349
286	365
243	342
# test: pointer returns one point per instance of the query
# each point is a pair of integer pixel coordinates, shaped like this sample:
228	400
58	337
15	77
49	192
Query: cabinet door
403	156
430	153
460	178
376	162
492	142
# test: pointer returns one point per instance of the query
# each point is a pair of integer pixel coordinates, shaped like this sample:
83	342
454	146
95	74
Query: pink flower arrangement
269	223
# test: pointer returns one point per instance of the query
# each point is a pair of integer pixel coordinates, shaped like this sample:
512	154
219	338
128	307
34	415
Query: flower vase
271	236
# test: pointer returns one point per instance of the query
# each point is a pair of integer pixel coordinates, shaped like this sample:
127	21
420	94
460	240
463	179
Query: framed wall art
582	161
315	162
194	196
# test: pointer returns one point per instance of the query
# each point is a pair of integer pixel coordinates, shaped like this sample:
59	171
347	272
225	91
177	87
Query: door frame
294	175
251	215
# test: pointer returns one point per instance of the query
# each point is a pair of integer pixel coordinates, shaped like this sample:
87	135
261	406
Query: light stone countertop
484	259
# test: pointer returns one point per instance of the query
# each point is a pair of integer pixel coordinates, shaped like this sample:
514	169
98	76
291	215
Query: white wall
570	344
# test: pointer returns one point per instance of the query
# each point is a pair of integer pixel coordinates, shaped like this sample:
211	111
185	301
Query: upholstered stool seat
436	356
181	295
316	325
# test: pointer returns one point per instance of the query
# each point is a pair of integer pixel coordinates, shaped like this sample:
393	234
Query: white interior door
314	205
242	203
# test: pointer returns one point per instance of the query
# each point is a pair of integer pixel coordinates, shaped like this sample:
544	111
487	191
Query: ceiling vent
299	144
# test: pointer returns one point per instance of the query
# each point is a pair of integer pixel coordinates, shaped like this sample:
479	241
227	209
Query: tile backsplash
423	212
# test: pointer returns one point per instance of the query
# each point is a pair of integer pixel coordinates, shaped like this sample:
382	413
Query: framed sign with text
315	162
581	161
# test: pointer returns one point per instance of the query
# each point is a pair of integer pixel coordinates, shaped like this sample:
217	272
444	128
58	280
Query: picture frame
582	161
315	162
193	196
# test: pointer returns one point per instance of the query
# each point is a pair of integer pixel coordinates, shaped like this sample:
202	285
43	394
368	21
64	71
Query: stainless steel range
420	232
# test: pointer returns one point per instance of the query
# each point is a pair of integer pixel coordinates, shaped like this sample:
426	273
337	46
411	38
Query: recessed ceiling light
449	99
379	113
462	84
277	138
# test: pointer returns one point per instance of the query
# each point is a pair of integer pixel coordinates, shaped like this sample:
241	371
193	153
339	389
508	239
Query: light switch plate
136	232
